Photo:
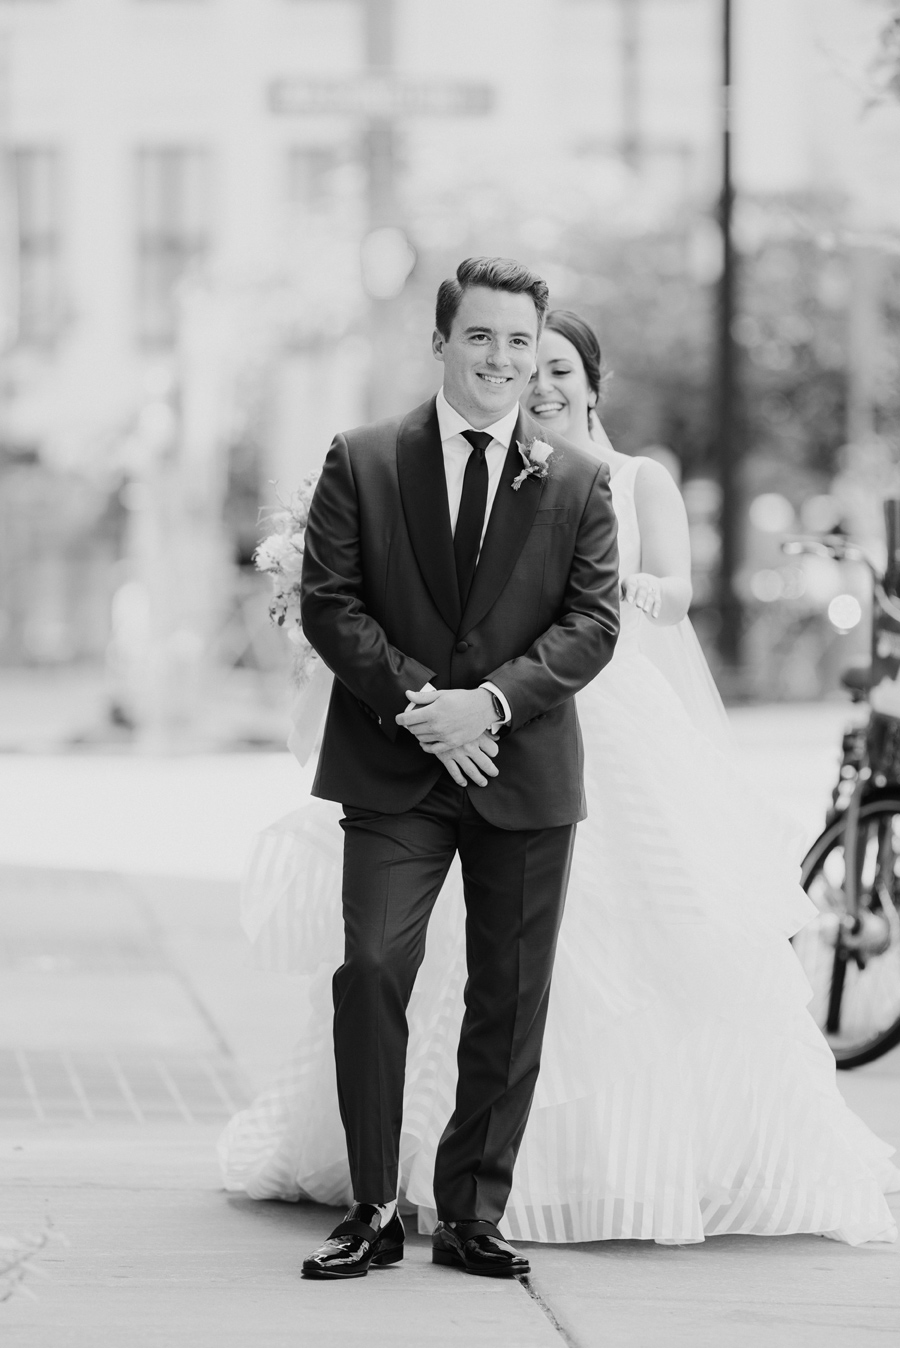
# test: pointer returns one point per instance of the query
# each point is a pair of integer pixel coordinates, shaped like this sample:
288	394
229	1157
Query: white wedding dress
685	1090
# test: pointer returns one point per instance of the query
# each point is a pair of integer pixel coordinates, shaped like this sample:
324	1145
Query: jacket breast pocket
554	515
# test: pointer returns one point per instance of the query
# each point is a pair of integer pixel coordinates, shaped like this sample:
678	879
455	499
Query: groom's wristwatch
502	715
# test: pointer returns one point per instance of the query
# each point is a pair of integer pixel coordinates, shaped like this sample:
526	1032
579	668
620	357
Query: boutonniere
536	456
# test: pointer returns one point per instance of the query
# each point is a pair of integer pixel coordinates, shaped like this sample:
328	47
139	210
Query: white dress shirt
456	455
457	450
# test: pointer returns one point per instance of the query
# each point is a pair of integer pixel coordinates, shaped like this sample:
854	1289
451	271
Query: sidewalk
197	815
130	1027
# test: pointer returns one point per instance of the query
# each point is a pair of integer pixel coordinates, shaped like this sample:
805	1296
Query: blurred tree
886	66
653	312
651	298
60	539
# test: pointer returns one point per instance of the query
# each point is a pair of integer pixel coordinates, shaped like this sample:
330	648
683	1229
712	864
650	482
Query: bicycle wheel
853	961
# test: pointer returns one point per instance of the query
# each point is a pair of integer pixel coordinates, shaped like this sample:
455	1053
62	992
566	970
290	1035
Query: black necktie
472	505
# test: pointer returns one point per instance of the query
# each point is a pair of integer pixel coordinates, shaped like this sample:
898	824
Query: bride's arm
662	588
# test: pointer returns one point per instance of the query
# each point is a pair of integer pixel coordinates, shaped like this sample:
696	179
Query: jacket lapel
512	516
423	492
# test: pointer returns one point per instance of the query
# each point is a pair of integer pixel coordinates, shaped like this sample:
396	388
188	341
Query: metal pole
379	152
892	537
9	210
867	282
379	36
631	75
726	382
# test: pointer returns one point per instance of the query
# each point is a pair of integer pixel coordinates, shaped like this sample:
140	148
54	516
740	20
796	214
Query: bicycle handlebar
834	546
842	549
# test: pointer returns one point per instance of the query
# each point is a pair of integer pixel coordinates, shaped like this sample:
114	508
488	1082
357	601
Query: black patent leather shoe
476	1247
355	1244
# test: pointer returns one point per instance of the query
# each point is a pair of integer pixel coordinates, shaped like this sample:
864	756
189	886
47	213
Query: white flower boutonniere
536	456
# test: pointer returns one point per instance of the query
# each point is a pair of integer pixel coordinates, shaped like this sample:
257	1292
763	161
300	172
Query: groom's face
489	355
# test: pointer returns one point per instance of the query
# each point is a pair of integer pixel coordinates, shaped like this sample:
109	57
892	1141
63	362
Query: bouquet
280	556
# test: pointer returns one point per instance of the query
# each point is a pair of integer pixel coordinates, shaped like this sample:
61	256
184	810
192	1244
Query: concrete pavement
159	1256
197	815
131	1026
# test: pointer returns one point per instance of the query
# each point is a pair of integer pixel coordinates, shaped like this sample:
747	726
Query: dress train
685	1090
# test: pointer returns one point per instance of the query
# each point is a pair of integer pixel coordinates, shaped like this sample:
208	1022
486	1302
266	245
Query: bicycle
850	950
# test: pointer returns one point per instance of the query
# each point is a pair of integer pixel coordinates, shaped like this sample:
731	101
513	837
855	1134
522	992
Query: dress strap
625	476
622	484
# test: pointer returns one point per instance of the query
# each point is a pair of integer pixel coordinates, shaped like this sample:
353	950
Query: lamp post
380	146
380	134
630	17
725	419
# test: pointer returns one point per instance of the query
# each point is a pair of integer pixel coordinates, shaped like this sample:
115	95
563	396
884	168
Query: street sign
374	95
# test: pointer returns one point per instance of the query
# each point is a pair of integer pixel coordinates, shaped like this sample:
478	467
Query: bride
685	1091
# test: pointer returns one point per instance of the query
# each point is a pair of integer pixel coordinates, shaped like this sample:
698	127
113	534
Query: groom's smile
489	353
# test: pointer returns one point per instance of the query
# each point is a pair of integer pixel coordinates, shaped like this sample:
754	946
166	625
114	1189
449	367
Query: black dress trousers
515	883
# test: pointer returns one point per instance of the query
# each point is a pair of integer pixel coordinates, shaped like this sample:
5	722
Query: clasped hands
452	724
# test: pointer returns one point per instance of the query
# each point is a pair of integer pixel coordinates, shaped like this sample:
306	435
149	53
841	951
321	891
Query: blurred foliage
243	498
18	1260
652	299
889	383
657	325
886	66
61	538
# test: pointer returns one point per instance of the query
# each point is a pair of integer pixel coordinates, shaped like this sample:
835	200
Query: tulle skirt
685	1091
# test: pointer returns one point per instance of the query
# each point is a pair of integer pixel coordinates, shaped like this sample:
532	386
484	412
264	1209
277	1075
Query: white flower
292	563
280	554
281	557
302	500
271	552
536	458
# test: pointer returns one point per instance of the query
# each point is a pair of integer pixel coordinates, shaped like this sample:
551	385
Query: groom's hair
496	273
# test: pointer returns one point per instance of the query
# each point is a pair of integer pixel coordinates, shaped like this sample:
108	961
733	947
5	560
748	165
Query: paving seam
546	1310
143	1088
174	967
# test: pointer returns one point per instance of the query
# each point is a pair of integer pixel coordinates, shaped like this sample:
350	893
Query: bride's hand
644	591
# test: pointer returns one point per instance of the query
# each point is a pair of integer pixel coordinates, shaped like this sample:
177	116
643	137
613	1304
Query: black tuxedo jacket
380	604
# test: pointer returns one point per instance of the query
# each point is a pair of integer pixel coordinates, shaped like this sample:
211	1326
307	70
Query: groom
463	588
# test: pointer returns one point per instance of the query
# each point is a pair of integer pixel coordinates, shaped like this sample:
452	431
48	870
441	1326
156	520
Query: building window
311	177
173	201
37	173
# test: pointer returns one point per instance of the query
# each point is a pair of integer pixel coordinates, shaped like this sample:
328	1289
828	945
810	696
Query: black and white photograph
449	673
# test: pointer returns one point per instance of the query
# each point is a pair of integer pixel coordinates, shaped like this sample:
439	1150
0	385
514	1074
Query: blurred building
150	140
210	210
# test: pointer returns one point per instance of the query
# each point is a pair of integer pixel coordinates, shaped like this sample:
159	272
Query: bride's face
559	395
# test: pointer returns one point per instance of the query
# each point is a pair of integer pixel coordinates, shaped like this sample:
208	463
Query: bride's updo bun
582	336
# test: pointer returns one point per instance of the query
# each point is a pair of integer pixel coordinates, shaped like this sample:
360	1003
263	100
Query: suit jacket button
462	647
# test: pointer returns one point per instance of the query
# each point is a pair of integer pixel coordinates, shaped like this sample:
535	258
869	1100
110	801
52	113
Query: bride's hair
582	336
